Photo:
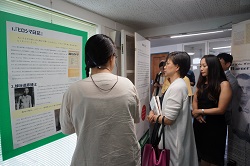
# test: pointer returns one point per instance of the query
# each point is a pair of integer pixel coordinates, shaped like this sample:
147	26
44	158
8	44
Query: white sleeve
174	101
134	103
65	116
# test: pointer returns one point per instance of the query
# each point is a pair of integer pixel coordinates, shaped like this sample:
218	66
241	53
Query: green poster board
8	150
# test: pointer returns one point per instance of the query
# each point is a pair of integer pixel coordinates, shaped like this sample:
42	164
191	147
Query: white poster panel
241	40
41	65
142	80
239	130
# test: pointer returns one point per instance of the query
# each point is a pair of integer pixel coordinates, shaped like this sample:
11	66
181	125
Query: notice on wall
42	64
142	80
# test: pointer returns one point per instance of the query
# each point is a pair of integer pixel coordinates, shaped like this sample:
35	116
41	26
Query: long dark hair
182	59
98	50
214	78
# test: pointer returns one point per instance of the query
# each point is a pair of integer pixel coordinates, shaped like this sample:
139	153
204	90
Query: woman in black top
211	99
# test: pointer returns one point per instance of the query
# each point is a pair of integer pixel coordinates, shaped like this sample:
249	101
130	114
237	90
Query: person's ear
111	59
177	67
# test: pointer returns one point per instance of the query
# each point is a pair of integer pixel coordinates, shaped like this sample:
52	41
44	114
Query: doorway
155	60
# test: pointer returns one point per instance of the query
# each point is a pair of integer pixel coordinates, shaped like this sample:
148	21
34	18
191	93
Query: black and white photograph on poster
57	119
243	129
239	130
24	98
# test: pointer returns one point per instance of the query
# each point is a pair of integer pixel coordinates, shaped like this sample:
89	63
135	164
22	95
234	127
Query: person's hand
151	117
200	119
156	84
195	113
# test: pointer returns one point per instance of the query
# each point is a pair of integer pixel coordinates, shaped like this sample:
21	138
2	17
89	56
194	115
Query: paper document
159	103
154	105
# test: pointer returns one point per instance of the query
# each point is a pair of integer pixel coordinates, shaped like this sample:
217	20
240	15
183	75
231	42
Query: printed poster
42	64
239	130
142	80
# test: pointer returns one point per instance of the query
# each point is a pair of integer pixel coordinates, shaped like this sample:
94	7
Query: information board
39	61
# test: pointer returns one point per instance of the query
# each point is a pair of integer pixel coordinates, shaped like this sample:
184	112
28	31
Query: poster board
239	130
38	61
142	81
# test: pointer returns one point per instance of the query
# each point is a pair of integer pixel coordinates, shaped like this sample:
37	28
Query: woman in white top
175	107
102	110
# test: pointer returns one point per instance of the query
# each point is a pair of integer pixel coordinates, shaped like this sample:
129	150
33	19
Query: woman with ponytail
102	110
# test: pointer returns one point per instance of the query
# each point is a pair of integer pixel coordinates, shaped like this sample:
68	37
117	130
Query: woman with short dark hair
175	107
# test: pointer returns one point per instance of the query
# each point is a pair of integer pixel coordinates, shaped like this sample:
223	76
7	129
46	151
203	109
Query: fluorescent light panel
196	34
217	48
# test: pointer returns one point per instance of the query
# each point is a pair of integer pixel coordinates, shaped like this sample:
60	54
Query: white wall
168	48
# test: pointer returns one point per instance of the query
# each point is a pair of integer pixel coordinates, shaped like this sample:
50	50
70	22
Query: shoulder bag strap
162	131
154	135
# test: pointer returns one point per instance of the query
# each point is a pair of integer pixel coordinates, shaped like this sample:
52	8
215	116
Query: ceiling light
190	53
196	34
217	48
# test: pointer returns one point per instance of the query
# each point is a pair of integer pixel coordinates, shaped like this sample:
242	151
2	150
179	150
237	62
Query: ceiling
147	14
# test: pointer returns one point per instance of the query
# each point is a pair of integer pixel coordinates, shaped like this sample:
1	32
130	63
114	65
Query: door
155	60
128	55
